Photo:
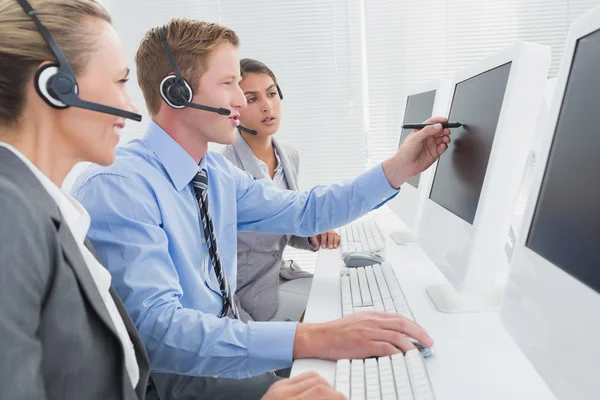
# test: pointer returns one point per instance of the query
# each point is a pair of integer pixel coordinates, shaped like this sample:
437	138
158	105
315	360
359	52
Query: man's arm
126	232
262	207
24	270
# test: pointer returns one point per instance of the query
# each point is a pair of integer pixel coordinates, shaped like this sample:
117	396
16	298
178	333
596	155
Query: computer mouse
362	259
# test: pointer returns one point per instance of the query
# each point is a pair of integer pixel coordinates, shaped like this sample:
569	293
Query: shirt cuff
374	186
270	346
310	245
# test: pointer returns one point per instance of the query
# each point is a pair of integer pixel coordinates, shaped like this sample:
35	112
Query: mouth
117	128
270	120
235	119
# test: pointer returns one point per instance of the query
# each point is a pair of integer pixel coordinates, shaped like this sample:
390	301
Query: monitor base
404	238
448	300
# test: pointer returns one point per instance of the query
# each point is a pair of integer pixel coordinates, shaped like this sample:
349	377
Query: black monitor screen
418	109
565	229
459	176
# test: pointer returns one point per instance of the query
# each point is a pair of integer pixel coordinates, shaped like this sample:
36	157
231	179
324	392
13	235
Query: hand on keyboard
329	239
358	336
308	386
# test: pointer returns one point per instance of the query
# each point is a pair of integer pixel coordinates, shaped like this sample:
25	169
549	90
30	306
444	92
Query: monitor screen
565	229
418	109
460	172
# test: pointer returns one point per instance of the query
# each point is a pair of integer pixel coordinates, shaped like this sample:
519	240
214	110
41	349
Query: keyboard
372	288
362	236
401	376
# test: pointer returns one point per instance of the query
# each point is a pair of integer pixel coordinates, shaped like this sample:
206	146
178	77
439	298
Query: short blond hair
23	49
191	42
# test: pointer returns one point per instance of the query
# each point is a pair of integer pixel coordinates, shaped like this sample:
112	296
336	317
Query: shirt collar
76	217
265	167
180	166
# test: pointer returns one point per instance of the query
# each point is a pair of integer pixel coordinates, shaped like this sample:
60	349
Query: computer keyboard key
342	377
357	380
364	287
372	379
418	376
386	377
401	378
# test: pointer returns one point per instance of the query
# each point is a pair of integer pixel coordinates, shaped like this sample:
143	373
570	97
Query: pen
421	126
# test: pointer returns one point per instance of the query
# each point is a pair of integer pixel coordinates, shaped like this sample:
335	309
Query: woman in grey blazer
64	334
269	288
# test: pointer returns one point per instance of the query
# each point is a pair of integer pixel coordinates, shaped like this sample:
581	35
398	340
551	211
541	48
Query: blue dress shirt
146	230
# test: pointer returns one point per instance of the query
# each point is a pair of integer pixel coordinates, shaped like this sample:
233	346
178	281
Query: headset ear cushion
279	91
42	76
167	86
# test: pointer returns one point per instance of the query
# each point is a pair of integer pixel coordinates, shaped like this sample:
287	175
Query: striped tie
200	183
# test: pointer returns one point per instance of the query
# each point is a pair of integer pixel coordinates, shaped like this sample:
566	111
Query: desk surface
475	358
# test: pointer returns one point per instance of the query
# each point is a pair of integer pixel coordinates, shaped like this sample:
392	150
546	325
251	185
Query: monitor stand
404	238
448	300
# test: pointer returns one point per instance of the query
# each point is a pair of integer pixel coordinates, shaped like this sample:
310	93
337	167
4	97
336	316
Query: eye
124	81
272	94
251	100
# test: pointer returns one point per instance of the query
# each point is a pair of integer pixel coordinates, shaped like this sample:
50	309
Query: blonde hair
23	49
191	42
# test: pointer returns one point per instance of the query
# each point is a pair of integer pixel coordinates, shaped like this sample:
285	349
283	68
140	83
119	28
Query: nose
239	99
266	106
130	104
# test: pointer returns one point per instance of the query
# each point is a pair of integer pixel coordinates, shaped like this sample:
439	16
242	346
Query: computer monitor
422	102
552	301
525	189
466	217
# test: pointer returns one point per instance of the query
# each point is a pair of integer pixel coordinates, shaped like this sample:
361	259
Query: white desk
475	358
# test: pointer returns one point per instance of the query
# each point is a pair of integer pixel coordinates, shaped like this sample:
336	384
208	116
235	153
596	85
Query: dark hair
251	66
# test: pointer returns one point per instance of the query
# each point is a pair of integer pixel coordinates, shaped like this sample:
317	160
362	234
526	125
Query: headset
56	83
175	90
252	131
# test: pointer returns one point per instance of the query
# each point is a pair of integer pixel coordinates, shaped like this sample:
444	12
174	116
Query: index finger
436	120
399	323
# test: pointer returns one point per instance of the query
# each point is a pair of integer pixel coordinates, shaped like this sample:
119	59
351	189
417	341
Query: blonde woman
64	334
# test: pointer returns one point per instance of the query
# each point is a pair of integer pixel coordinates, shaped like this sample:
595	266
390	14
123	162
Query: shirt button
203	241
383	198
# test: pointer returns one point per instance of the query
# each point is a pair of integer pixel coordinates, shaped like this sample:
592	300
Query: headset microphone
175	90
56	83
250	131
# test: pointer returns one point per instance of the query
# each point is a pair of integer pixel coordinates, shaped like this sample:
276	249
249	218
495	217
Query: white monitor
466	217
552	301
422	102
527	179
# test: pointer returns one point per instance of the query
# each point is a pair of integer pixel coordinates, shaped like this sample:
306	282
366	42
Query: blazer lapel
17	172
291	175
140	351
78	265
138	346
246	158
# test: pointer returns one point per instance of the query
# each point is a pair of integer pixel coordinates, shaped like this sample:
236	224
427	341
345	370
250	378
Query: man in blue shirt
165	218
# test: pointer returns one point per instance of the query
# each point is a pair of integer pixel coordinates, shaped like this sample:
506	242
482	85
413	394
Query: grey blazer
57	340
260	259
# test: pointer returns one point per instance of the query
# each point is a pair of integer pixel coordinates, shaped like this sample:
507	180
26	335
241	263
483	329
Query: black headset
175	90
279	91
56	83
